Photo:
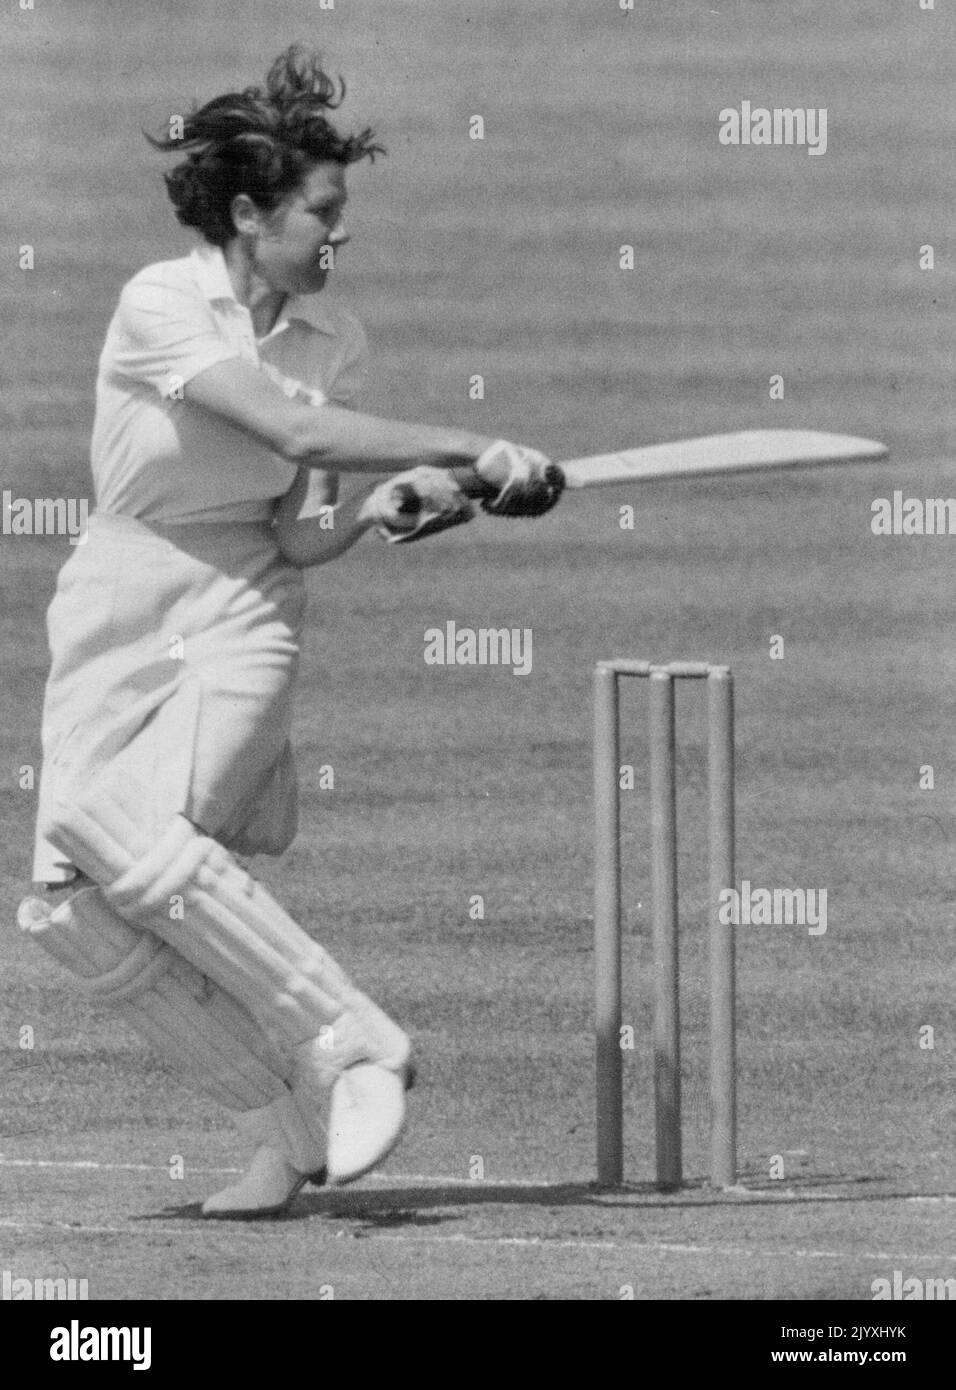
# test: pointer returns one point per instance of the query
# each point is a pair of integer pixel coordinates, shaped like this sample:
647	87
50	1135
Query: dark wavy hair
260	142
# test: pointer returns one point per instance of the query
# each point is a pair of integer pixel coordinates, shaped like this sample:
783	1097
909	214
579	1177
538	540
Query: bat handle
473	486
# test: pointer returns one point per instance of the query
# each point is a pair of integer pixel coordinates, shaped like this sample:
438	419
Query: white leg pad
191	892
192	1023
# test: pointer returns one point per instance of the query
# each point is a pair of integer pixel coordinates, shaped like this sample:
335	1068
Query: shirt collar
212	277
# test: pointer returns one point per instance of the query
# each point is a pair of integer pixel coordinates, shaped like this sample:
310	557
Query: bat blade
711	455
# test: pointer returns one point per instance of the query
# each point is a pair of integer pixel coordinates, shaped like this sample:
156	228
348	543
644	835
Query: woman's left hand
417	503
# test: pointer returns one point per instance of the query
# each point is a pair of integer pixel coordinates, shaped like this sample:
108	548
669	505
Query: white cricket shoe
266	1189
366	1119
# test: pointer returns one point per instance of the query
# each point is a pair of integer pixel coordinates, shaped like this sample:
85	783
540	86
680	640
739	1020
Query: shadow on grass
431	1205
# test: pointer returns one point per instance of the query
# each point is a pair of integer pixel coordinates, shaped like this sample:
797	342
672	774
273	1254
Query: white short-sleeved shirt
159	458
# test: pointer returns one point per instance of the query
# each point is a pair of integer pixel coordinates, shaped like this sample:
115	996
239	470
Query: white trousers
174	655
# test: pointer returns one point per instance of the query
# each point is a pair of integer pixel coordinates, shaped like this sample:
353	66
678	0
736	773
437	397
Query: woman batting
224	416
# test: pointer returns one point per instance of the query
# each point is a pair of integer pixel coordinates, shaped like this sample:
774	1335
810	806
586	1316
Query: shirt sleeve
165	335
351	370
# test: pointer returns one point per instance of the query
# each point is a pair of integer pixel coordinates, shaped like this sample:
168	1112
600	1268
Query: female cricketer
225	413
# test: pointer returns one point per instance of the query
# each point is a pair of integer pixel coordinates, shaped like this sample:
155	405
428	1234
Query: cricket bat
747	451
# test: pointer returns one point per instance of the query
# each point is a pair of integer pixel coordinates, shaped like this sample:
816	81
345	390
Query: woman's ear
246	217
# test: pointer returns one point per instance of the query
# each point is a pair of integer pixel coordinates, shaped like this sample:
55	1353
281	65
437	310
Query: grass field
501	257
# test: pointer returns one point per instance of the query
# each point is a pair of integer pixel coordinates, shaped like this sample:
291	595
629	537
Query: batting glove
416	504
532	485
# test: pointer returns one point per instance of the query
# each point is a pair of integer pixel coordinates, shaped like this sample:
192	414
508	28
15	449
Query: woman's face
291	249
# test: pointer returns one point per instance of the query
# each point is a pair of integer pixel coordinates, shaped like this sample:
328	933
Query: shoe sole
370	1167
261	1213
385	1092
